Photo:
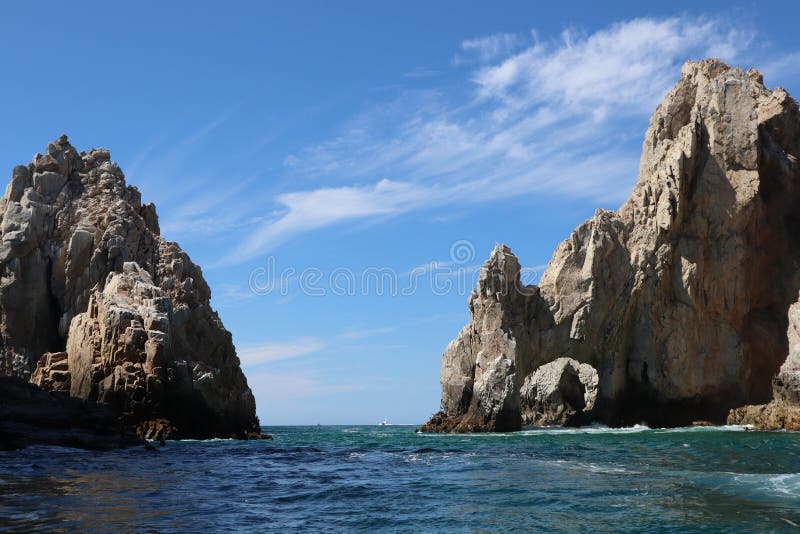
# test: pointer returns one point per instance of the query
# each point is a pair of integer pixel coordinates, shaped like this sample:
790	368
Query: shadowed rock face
679	299
30	416
784	410
95	303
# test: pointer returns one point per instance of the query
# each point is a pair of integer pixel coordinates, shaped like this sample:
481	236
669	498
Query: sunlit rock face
680	300
95	303
562	392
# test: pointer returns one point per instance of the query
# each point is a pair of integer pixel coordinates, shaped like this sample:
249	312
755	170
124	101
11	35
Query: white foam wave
592	429
787	484
720	428
592	467
210	440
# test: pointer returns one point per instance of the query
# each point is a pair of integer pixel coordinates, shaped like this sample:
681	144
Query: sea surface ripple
368	478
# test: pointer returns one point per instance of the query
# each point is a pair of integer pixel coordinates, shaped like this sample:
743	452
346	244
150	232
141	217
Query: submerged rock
95	303
678	299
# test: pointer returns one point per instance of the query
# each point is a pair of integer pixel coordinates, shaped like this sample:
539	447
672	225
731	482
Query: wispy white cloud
425	268
278	370
207	199
784	67
489	47
259	354
275	387
161	160
232	294
361	334
544	117
439	269
202	211
190	191
625	68
309	210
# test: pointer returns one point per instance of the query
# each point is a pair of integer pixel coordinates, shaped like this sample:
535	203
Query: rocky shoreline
674	308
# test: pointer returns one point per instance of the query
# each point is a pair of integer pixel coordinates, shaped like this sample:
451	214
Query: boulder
48	184
562	392
52	372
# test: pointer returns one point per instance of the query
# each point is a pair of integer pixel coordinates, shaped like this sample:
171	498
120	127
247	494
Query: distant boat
384	423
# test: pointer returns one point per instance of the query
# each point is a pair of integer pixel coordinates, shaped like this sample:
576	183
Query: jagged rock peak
479	390
679	299
500	274
95	302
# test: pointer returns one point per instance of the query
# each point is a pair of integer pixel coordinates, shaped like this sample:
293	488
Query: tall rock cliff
679	301
95	303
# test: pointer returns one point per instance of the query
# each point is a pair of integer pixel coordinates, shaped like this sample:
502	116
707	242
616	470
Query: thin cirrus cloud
279	370
489	47
552	117
273	389
264	353
361	334
306	211
782	67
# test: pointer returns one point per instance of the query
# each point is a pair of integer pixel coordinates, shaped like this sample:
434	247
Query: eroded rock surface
678	299
479	368
562	392
96	303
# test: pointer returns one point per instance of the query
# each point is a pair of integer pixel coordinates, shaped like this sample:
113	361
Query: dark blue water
390	478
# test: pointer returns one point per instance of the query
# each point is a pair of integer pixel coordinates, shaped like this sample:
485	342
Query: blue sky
363	144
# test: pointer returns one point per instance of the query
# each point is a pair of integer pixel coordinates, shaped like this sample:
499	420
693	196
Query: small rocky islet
104	316
681	307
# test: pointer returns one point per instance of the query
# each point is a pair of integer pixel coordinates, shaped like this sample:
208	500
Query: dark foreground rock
96	304
679	300
30	416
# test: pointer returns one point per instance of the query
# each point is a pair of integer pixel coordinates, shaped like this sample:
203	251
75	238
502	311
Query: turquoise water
391	478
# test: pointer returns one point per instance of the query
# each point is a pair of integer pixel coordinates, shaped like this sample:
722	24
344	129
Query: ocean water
369	478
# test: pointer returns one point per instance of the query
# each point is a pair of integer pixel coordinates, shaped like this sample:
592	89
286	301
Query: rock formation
679	300
562	392
95	303
30	416
784	410
479	368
